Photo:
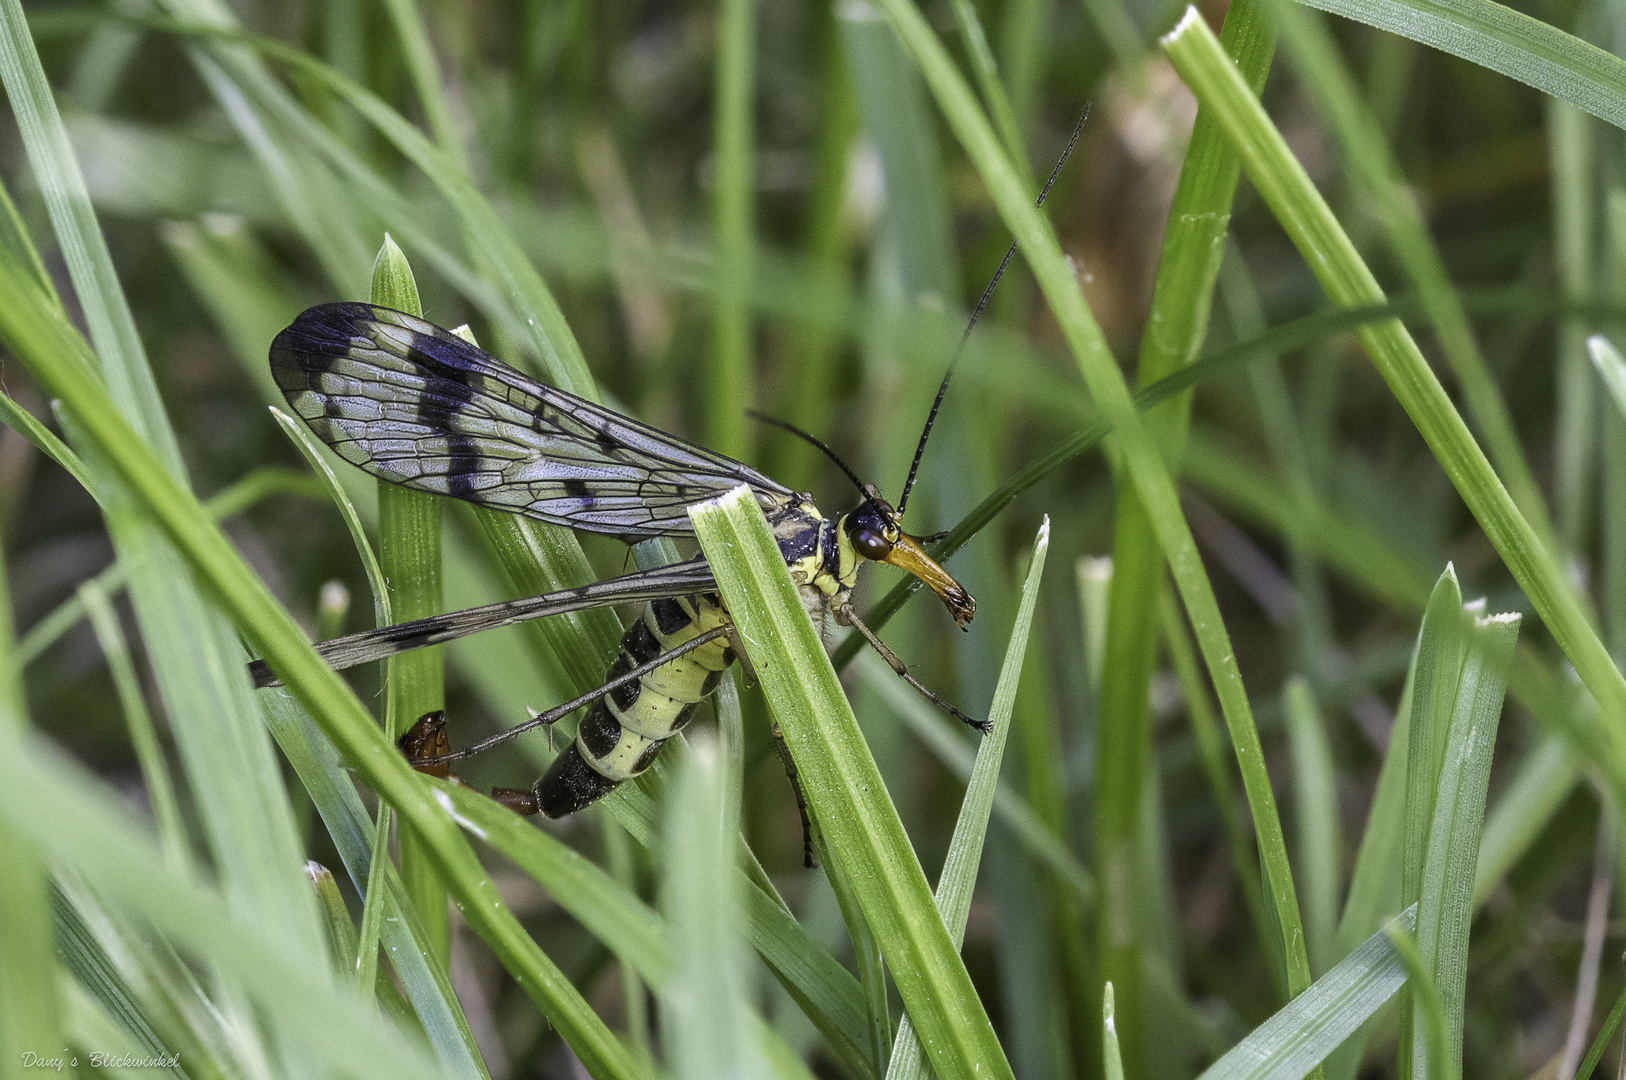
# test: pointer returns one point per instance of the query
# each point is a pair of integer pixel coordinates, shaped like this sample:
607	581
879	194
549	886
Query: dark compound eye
871	545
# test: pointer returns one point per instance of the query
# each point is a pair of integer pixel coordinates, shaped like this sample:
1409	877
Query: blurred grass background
759	206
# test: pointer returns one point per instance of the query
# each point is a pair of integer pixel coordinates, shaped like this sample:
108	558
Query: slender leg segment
795	777
427	747
642	694
851	617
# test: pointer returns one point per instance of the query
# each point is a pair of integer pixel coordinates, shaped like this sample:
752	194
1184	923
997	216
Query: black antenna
799	433
942	389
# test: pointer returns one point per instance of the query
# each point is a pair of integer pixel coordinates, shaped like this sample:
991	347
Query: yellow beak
907	554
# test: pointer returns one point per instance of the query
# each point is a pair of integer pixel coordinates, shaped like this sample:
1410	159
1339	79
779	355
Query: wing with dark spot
416	405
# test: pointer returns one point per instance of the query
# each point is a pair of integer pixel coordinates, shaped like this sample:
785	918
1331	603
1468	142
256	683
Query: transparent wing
679	579
416	405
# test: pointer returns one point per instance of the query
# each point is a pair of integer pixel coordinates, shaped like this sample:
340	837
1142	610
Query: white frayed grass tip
1191	16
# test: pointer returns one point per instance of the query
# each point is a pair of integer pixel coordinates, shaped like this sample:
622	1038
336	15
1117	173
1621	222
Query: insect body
415	405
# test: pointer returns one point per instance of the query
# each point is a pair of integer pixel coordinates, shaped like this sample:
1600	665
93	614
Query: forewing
416	405
680	579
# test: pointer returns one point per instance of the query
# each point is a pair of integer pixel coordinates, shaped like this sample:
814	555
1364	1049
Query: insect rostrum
413	404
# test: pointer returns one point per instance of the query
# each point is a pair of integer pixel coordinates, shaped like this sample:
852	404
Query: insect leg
897	665
559	712
795	777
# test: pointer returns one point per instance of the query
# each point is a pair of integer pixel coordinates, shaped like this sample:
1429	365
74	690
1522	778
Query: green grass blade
1301	1035
1575	420
409	530
630	930
23	423
426	982
1441	649
1112	1056
420	64
343	942
1540	783
706	1029
942	735
311	451
959	876
97	975
196	656
1611	367
1374	885
143	735
1320	842
860	827
1445	907
728	375
31	1018
1432	1060
84	824
605	909
1216	763
1332	257
341	932
1320	63
1504	40
986	71
1176	326
1144	465
55	358
1606	1032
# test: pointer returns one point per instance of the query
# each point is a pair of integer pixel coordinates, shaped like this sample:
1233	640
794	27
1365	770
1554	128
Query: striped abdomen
626	728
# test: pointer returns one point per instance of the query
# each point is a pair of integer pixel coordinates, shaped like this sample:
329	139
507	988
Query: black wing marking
414	404
679	579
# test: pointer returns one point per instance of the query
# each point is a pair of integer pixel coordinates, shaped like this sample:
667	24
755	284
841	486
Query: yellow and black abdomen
624	730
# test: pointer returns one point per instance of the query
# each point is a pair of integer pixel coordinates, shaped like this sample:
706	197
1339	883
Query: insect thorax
821	563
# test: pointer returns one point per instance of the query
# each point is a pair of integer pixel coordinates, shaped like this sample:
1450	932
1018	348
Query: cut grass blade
1445	907
845	791
959	875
